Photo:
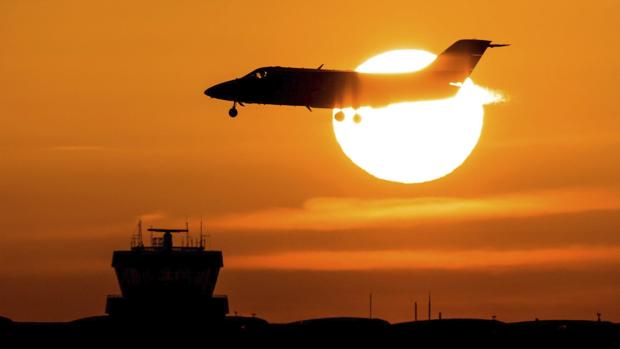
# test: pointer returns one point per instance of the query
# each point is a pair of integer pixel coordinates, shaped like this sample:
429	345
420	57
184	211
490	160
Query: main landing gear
339	116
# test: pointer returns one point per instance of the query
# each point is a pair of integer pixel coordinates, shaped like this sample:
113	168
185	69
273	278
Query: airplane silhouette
322	88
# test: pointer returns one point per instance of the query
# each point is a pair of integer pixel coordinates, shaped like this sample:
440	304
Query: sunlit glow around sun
397	61
413	142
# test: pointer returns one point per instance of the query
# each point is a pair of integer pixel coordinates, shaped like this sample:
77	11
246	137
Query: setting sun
413	142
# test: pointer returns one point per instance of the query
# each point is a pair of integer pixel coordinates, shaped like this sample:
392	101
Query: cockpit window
258	74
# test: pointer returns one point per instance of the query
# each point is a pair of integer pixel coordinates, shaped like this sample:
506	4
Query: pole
370	305
429	305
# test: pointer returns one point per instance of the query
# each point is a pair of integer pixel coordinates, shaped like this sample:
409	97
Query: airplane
323	88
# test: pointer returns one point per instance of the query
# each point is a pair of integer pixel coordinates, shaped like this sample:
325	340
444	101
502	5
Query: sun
413	142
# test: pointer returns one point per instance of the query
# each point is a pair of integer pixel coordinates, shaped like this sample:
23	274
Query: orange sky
103	121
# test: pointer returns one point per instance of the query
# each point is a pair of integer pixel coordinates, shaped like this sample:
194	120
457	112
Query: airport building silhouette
162	280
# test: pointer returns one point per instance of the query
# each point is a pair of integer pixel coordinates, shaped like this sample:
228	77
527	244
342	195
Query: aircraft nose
212	91
224	90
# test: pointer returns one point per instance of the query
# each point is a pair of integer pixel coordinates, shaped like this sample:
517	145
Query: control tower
163	280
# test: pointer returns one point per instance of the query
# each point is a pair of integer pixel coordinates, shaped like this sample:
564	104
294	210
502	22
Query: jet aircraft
323	88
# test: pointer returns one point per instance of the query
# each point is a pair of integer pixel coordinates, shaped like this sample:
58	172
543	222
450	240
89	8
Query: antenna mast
140	243
201	239
136	237
186	232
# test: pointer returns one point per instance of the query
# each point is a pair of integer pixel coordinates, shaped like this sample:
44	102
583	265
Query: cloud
325	214
426	259
153	216
591	228
77	148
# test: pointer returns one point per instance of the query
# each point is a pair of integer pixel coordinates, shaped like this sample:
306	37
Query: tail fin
461	57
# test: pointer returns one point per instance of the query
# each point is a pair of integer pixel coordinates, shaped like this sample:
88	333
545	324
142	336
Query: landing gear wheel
232	112
357	118
339	116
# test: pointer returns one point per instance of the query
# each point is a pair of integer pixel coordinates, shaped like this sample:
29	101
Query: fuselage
318	88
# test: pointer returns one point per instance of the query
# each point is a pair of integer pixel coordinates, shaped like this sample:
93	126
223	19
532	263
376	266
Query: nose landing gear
233	112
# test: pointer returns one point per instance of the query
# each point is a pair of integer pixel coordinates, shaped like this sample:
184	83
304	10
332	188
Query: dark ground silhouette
317	332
